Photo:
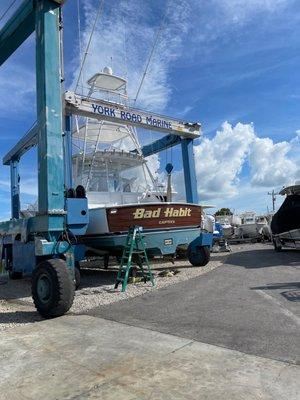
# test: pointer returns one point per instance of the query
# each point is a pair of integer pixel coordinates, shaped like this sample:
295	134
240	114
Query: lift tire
52	288
77	276
14	275
198	256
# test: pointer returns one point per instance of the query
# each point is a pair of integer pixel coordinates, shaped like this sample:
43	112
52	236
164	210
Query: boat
229	223
285	223
252	226
262	224
224	222
120	187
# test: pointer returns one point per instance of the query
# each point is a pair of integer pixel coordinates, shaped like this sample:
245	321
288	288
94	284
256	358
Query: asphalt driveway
250	304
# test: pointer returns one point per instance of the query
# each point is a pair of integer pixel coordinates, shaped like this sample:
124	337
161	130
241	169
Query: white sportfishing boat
252	226
121	189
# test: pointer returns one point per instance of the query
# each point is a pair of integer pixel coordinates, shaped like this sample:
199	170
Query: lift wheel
52	288
198	256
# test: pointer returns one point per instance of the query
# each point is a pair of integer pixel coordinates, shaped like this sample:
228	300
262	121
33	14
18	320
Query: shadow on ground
14	289
263	258
22	317
292	293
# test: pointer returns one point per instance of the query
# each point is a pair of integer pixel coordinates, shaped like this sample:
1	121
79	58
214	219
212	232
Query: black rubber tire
198	256
15	275
61	288
77	276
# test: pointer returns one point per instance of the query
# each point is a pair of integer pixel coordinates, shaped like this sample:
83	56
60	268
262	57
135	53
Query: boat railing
113	198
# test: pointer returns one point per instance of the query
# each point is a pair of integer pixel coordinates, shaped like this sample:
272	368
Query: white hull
227	231
249	230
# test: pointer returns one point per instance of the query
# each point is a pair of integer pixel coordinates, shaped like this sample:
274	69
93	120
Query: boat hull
118	219
227	231
287	217
166	226
248	230
157	243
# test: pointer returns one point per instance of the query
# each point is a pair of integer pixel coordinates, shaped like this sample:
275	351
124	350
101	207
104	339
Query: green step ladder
134	252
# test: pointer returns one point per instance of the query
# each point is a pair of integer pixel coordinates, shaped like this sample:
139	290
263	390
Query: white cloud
270	163
238	11
124	40
28	186
220	161
298	134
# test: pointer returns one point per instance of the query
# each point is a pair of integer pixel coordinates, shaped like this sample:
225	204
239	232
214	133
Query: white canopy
106	81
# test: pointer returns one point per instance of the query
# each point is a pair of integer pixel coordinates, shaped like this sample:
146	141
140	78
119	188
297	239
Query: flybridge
119	113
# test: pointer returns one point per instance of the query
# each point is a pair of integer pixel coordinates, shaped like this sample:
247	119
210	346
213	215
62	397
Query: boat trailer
44	246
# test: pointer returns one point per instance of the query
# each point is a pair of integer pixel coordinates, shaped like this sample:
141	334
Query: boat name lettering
169	212
129	116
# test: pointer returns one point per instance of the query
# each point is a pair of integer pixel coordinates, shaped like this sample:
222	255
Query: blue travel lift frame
47	239
44	245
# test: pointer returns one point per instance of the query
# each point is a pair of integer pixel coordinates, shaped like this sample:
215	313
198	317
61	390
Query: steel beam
121	114
189	171
68	151
15	189
160	145
17	29
49	109
23	145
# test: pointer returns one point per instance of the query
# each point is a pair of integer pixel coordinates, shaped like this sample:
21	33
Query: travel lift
44	246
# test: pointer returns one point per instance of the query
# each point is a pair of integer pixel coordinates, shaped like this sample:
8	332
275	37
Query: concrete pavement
82	357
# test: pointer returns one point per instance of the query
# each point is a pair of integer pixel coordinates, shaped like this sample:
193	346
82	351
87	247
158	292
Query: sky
232	65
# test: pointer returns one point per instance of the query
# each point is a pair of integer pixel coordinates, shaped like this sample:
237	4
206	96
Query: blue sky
233	65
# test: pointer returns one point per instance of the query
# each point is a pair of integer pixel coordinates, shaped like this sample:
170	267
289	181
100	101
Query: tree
224	211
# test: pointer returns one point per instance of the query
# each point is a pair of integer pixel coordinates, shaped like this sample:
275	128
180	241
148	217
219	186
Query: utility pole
273	194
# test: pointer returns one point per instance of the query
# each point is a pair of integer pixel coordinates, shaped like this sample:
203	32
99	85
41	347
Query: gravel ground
97	289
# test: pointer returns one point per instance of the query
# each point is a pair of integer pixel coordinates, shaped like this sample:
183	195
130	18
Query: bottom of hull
157	242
